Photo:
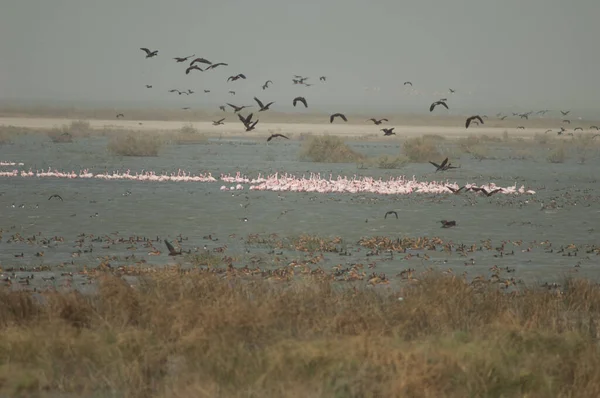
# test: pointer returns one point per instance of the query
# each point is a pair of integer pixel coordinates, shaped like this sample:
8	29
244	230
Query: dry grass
421	149
136	144
557	155
188	134
198	334
328	149
390	162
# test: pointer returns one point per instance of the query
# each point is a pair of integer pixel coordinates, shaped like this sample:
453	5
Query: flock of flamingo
276	182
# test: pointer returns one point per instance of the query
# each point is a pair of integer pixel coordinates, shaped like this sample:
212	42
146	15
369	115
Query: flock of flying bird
198	63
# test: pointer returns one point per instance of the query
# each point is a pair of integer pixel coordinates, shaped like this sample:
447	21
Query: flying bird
452	91
236	108
455	191
148	86
263	107
201	60
213	66
218	122
323	78
566	121
266	85
300	99
120	115
56	196
565	113
149	54
275	136
236	77
408	83
436	103
172	251
245	120
470	119
191	68
389	213
387	132
183	59
448	224
232	92
377	122
337	115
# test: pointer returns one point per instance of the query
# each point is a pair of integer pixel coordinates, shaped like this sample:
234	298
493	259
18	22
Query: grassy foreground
195	334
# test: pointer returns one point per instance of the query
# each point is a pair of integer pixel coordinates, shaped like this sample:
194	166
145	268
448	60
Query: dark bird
441	166
577	128
263	107
149	54
455	191
548	131
452	91
470	119
521	128
448	224
236	108
524	116
148	86
236	77
218	122
120	115
593	127
185	108
300	99
502	118
390	213
232	92
176	91
337	115
565	113
266	85
172	251
566	121
191	68
389	131
246	120
213	66
190	91
222	107
485	192
377	122
436	103
55	196
183	59
201	60
323	78
408	83
275	136
250	127
207	91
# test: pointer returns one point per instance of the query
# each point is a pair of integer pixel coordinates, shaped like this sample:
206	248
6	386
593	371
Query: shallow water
198	209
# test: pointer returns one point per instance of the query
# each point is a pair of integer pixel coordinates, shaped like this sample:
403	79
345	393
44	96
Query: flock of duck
250	124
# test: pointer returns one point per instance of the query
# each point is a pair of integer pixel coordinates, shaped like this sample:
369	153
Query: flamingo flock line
275	182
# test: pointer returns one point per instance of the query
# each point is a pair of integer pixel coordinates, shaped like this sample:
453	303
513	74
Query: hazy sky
497	54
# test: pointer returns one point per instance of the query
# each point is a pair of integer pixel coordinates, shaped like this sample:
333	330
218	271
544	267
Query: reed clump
179	334
136	144
188	134
421	149
328	149
557	155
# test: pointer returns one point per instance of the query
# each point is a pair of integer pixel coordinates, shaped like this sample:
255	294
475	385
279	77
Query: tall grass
328	149
421	149
180	334
136	144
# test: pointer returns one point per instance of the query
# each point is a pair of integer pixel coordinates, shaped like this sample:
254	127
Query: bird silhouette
236	77
266	85
340	115
218	122
236	108
300	99
149	54
436	103
172	251
263	107
183	59
55	196
470	119
191	68
390	213
213	66
201	60
389	131
275	136
377	122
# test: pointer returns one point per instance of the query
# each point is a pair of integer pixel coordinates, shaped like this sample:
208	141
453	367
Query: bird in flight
247	121
148	86
455	191
377	122
236	77
266	85
565	113
213	66
387	132
149	54
323	78
201	60
183	59
436	103
55	196
193	67
172	251
448	224
300	99
275	136
389	213
232	92
236	108
452	91
120	115
408	83
470	119
340	115
218	122
263	107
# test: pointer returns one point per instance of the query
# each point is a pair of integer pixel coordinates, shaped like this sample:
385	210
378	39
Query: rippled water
198	209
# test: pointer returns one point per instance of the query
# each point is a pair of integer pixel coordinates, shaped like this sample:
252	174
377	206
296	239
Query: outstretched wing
148	52
259	103
170	247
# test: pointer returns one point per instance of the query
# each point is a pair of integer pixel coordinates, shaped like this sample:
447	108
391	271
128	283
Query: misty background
497	55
